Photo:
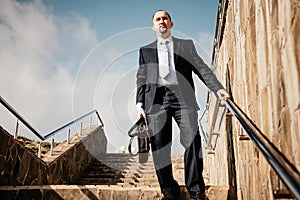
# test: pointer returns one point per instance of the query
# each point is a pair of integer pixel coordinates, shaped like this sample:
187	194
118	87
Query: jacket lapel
176	46
152	62
153	52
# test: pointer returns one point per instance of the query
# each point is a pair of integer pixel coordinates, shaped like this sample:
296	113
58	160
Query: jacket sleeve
203	71
141	79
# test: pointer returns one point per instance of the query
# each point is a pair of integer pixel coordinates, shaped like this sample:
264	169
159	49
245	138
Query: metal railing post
52	144
80	132
40	150
91	121
68	135
17	130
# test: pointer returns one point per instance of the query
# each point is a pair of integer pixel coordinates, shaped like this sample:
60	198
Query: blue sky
59	59
111	17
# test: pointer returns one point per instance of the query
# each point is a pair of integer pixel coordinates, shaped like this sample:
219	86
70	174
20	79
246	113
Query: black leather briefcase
140	130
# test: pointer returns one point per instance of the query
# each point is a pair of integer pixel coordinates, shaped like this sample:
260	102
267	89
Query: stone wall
261	51
66	168
19	166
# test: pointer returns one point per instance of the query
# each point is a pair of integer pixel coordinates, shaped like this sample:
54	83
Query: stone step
151	175
125	170
121	168
103	168
104	175
145	171
151	182
104	171
100	181
87	192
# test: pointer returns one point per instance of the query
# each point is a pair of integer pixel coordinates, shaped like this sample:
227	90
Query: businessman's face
162	24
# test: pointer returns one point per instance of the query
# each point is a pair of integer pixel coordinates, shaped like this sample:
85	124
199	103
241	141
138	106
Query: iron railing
212	131
211	128
51	134
73	122
20	117
281	165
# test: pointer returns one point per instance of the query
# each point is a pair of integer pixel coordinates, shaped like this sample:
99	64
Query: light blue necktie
164	64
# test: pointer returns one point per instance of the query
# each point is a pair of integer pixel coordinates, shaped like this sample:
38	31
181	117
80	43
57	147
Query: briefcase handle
143	139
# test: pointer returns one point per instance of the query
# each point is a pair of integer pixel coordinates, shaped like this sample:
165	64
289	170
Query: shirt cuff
139	106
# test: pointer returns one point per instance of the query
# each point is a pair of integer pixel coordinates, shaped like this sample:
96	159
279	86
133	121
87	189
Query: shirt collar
161	40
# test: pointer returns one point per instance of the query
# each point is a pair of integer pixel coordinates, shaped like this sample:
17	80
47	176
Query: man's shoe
199	196
169	197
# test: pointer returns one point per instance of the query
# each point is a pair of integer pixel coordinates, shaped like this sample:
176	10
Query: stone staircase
109	176
120	169
110	169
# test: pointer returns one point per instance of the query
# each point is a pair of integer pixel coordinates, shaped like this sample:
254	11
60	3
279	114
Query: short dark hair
162	11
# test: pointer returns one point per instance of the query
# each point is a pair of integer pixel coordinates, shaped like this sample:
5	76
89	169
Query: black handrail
282	166
22	119
102	124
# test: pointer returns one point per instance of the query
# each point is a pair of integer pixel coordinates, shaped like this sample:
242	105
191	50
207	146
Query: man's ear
153	27
172	24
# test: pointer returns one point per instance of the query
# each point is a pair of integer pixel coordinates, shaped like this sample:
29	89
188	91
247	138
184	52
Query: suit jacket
187	61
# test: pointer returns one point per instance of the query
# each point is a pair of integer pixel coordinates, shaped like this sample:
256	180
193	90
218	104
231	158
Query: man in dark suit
165	90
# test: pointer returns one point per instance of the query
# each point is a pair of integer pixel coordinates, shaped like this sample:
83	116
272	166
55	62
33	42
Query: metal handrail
20	117
70	123
282	166
213	123
200	123
100	120
34	131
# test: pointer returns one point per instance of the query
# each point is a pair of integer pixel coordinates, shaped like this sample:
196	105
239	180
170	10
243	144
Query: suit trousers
168	104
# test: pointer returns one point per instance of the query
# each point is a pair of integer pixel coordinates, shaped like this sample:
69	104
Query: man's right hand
141	113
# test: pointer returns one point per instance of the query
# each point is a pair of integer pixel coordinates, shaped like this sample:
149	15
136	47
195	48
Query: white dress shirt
171	78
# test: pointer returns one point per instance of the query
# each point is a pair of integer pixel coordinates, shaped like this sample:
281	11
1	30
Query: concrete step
101	192
106	174
134	173
100	181
120	168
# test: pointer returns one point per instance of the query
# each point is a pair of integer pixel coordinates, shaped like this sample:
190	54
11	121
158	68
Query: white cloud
76	35
205	42
82	34
38	54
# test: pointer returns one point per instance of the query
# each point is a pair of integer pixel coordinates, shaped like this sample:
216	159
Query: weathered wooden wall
261	50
